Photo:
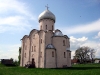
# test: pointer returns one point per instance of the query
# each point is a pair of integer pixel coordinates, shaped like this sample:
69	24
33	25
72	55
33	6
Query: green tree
84	54
19	57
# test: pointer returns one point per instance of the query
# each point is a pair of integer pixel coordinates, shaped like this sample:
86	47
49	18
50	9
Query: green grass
81	69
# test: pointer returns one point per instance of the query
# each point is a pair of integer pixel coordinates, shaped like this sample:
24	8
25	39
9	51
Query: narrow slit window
52	27
46	27
41	40
52	53
64	55
32	48
25	55
63	42
41	55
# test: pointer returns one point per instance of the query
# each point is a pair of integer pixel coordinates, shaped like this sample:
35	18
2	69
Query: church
47	47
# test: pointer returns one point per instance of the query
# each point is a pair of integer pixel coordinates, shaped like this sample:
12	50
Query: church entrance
33	62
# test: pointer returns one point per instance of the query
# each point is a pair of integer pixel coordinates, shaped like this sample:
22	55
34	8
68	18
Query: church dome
46	15
58	33
50	46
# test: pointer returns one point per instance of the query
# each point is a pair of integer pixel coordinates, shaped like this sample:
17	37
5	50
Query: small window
25	55
52	53
52	27
41	40
46	27
32	48
63	42
41	55
64	55
33	36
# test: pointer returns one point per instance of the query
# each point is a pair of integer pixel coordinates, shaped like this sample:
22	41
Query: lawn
81	69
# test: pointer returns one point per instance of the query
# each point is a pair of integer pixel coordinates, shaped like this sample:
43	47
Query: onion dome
46	15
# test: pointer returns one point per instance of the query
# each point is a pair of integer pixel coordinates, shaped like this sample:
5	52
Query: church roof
68	48
50	46
58	33
25	36
46	14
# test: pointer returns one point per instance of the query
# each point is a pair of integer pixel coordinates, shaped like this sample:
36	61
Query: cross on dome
47	6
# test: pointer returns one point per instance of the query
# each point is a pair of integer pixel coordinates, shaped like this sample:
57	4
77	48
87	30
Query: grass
81	69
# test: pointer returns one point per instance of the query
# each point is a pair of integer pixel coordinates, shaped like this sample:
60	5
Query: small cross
47	6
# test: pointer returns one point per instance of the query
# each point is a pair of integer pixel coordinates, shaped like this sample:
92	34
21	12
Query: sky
79	19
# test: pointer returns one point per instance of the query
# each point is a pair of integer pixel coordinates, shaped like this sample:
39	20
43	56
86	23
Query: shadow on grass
79	68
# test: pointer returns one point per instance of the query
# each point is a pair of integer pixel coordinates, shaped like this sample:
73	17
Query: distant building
97	60
46	47
7	61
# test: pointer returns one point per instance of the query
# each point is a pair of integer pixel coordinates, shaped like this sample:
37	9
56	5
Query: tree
84	54
92	54
19	57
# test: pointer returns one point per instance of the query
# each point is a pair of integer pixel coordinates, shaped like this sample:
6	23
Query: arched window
41	55
63	42
52	53
32	48
52	27
25	55
64	55
46	27
41	40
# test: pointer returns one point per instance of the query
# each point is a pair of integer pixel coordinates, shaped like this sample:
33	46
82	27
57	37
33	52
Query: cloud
84	28
15	15
9	51
97	36
84	41
73	39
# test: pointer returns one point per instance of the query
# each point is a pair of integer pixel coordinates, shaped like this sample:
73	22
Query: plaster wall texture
50	61
60	49
48	22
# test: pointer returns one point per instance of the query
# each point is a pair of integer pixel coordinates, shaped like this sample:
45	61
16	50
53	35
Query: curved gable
25	36
34	31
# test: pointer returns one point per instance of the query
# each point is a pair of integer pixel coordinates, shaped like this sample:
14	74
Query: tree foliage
19	55
84	54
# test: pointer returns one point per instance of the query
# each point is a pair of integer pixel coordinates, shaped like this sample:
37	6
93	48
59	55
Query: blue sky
79	19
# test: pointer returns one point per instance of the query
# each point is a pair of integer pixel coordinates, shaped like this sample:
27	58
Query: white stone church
48	47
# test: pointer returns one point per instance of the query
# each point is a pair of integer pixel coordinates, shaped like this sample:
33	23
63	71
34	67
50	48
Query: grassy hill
81	69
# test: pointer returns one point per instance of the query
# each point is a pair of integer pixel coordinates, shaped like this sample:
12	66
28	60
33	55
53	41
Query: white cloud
15	15
84	28
79	42
98	36
73	39
9	51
